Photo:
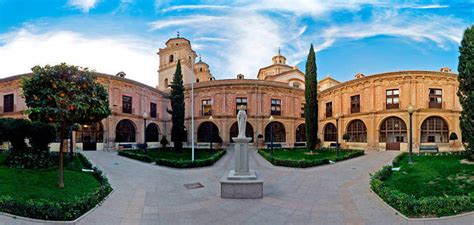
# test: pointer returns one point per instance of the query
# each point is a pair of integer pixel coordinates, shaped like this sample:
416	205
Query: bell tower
177	48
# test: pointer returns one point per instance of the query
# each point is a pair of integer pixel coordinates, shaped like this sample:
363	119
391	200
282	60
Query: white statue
241	121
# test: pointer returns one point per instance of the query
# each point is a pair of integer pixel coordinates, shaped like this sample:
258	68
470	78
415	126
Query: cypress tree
311	97
466	89
177	108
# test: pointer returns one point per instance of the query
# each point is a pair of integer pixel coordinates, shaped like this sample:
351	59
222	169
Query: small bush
396	162
164	142
139	155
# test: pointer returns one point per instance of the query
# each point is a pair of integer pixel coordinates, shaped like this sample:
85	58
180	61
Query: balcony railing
275	113
206	112
392	105
435	105
328	114
355	109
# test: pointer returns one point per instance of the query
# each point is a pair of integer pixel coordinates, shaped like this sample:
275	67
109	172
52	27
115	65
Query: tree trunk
61	157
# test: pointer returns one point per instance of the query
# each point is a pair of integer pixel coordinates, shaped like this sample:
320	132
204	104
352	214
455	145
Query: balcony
392	106
328	114
275	113
355	109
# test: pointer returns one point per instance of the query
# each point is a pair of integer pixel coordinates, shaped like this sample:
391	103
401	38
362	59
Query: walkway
332	194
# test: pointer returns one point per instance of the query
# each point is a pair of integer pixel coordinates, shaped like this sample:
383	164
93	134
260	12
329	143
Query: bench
125	146
334	145
429	148
300	144
142	146
274	146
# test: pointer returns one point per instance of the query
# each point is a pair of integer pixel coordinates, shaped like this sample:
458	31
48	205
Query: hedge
304	163
59	211
411	206
173	163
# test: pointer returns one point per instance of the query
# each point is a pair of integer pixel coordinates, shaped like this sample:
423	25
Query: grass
24	184
433	176
301	154
181	155
301	158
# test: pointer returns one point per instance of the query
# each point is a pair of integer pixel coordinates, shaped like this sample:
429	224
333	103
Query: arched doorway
434	130
330	132
278	130
89	135
125	131
301	133
357	131
152	133
234	131
393	131
206	131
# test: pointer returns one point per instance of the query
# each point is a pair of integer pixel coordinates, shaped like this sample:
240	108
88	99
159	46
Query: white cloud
433	6
23	49
185	7
189	20
84	5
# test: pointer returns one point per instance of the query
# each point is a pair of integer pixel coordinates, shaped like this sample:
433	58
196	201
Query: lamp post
212	136
410	144
145	117
337	134
271	135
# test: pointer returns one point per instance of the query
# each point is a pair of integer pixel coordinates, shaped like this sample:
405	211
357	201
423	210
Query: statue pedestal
242	182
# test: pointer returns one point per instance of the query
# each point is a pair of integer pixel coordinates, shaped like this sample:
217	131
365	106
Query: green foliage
346	137
299	158
434	186
164	142
466	91
41	135
29	193
177	108
311	98
453	136
176	158
398	159
15	131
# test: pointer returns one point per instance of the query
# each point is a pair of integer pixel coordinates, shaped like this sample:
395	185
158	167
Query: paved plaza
332	194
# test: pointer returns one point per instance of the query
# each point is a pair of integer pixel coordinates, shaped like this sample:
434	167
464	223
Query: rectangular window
206	107
276	107
152	110
393	99
240	102
328	109
126	104
8	103
302	110
436	98
355	104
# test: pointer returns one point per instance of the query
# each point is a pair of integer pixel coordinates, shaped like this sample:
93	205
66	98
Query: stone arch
234	131
392	129
300	133
125	131
434	129
152	133
357	130
330	132
206	131
279	132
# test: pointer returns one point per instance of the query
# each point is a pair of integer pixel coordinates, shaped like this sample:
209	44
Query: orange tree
64	94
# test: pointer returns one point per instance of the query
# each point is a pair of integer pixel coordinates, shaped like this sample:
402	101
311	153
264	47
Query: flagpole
192	109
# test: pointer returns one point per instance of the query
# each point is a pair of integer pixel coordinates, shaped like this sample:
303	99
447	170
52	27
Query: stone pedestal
241	182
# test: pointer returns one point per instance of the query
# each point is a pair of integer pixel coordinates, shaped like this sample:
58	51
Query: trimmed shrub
62	211
412	206
398	159
164	142
136	154
191	164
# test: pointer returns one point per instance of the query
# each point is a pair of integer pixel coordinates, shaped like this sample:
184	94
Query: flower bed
445	192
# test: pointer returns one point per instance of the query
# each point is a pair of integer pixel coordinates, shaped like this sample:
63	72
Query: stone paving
331	194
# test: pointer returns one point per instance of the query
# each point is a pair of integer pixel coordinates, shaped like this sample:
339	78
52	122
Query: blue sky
350	36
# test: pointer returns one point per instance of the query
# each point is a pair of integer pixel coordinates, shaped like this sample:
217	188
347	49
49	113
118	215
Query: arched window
434	130
200	69
301	133
125	131
296	84
393	130
278	130
197	80
171	58
234	131
330	132
208	130
166	83
152	133
357	131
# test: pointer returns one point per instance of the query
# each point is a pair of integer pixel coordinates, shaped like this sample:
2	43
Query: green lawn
433	176
27	184
184	154
301	158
